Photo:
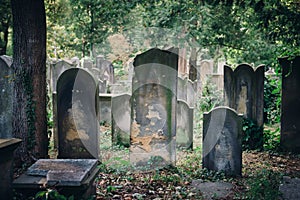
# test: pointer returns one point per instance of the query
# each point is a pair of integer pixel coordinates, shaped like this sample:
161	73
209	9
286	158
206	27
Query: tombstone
121	111
71	177
7	147
57	69
182	88
87	63
290	104
102	86
220	67
184	134
244	92
205	69
106	68
191	93
121	87
105	108
77	115
218	80
154	99
6	100
222	141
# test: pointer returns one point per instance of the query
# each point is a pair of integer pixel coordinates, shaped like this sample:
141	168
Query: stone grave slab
154	99
63	172
290	105
222	144
69	176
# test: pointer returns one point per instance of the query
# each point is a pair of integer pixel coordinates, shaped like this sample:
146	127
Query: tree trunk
29	65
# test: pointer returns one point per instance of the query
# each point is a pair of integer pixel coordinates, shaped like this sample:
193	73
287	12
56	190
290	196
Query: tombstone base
75	179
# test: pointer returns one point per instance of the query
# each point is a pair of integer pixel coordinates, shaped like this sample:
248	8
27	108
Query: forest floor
261	176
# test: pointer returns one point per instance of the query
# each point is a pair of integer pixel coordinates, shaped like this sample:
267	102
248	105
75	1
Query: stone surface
105	108
106	68
213	190
154	99
290	105
63	172
7	147
244	92
70	177
87	63
222	145
77	115
290	188
57	69
121	112
6	91
184	134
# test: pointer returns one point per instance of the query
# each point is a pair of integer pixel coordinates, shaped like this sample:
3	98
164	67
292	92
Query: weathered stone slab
290	104
290	188
222	144
7	147
87	63
106	68
77	115
63	172
154	99
244	92
57	69
105	108
182	88
184	134
6	101
121	112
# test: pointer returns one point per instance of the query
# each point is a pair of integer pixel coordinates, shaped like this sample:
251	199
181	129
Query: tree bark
29	66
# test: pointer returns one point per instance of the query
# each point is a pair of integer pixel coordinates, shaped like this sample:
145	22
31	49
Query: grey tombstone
6	100
222	144
57	69
182	88
154	99
106	68
105	108
184	134
290	104
77	115
244	92
87	63
121	111
191	93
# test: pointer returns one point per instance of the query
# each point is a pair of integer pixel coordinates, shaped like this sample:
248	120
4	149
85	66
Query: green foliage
272	139
252	135
263	185
211	97
51	195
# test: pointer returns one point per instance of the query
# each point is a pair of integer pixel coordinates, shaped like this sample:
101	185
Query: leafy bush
252	135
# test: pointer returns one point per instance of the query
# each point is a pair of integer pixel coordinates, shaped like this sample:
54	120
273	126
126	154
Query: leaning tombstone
153	123
77	115
6	89
184	134
290	104
121	111
222	144
244	92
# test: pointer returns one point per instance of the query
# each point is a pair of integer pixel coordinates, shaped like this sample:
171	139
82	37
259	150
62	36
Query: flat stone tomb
222	146
70	176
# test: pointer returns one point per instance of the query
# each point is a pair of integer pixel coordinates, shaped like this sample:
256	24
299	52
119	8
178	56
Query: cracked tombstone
6	89
153	122
290	104
244	92
77	117
222	144
121	111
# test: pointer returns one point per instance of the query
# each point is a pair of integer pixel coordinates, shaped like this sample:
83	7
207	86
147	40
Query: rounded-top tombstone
77	111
